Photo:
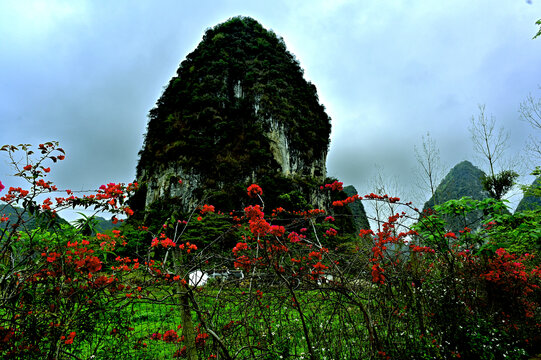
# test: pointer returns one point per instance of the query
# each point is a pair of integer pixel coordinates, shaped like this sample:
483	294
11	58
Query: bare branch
428	158
487	142
530	112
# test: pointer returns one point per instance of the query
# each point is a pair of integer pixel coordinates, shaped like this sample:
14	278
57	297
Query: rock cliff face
238	111
357	210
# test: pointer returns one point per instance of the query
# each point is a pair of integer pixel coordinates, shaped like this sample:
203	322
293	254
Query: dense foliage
282	290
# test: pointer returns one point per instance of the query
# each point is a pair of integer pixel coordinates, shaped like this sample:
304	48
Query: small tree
490	144
432	171
530	111
86	224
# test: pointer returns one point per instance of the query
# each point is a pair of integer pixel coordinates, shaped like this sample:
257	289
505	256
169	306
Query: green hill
239	111
462	180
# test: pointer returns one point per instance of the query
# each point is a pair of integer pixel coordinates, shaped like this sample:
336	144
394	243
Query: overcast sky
86	73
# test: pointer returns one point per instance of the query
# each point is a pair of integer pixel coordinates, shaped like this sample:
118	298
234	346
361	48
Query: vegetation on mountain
227	94
238	111
464	179
357	210
532	197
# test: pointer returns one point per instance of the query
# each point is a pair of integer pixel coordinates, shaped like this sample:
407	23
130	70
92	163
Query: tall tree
491	144
530	111
431	170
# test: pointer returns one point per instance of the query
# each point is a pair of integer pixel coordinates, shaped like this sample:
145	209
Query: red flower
253	212
240	246
27	167
331	232
377	274
93	264
47	169
294	237
207	209
277	230
254	190
70	338
335	186
2	187
364	232
259	227
320	267
170	336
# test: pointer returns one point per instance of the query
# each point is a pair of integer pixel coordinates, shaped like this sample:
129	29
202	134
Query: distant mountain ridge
357	209
530	201
31	222
464	179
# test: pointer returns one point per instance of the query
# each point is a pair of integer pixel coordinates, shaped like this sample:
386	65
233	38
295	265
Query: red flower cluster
385	236
12	194
347	200
46	185
277	230
207	209
377	274
331	232
243	262
189	247
70	338
335	186
260	227
254	190
253	212
239	247
82	257
508	272
421	249
125	261
170	336
373	196
294	237
363	232
319	268
165	242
